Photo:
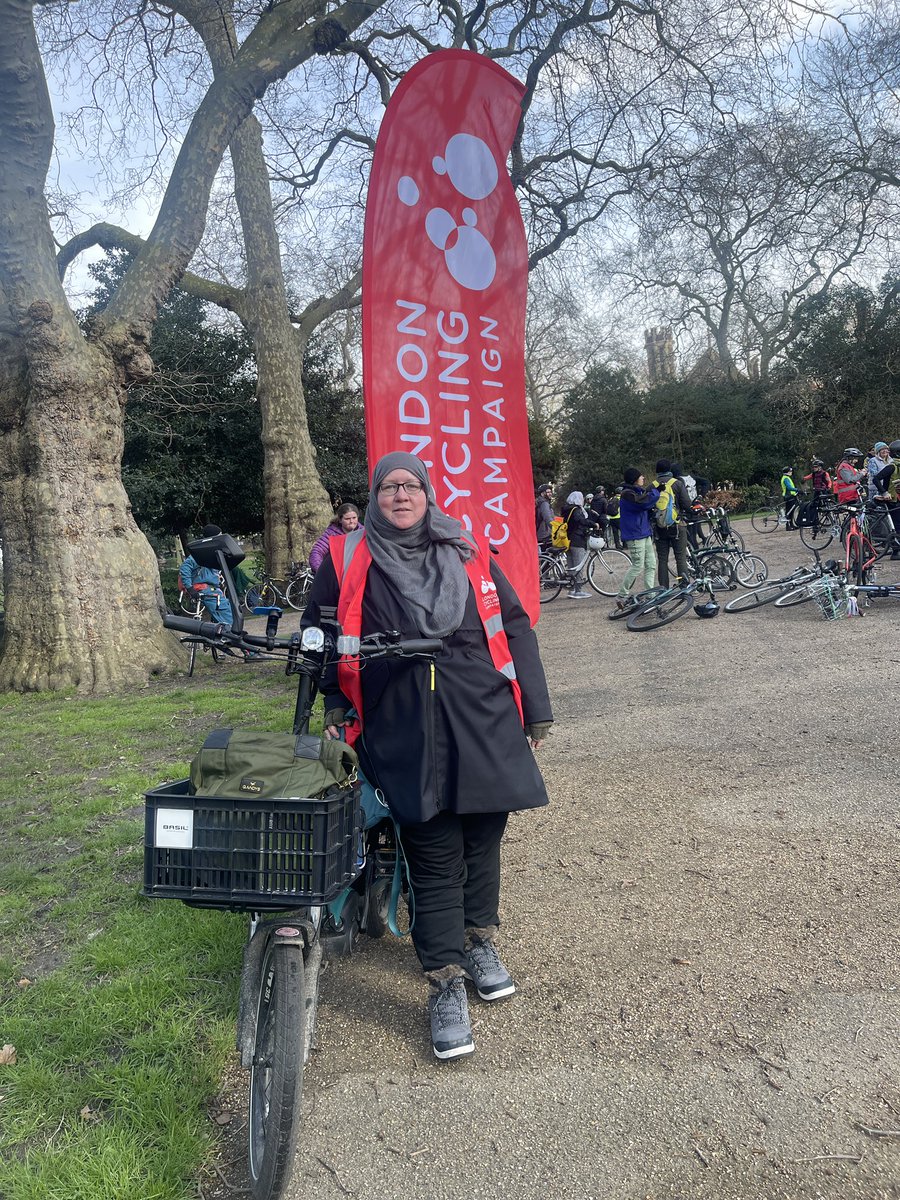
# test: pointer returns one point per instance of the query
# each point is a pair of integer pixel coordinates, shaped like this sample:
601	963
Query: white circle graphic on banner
408	191
471	166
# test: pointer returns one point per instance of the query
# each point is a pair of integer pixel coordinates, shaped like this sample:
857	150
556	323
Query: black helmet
545	487
709	609
894	448
787	470
853	452
817	462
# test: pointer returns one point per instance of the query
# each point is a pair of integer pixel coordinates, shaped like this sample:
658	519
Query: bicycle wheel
750	570
757	598
192	658
187	602
818	535
668	607
798	595
606	570
766	519
860	558
717	567
297	591
276	1076
551	578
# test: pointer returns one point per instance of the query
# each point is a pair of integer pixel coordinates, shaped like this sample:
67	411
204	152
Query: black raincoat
449	739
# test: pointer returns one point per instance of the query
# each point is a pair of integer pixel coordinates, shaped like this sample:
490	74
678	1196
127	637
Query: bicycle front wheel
606	570
192	659
551	578
297	591
667	608
766	519
276	1076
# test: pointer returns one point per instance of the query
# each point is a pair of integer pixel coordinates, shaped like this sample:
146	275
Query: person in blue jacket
635	505
206	583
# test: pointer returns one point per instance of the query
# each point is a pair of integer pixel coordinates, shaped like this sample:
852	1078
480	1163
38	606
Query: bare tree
68	534
743	229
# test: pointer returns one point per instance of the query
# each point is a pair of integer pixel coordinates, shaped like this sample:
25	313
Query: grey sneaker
492	980
579	595
451	1030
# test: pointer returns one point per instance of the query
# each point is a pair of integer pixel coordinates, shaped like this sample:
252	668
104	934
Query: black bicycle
303	869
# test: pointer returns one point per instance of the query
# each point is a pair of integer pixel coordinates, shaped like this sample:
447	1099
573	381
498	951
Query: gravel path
703	927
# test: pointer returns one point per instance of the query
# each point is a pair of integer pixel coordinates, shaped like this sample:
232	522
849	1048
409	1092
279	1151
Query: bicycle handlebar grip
421	645
207	629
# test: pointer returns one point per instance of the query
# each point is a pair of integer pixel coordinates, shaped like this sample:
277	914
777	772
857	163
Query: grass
121	1010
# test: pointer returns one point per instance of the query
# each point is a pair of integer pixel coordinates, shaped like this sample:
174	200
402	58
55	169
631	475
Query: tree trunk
81	582
76	567
296	504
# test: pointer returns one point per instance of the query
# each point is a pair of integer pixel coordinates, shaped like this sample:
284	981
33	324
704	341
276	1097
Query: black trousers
676	541
454	870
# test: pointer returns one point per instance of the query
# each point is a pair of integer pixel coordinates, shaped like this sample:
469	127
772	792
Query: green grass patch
121	1010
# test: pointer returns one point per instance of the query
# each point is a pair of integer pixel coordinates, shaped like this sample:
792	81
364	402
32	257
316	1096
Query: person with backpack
671	528
636	502
449	740
578	526
543	515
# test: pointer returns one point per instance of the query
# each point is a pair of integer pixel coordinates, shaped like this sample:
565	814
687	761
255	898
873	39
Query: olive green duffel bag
247	763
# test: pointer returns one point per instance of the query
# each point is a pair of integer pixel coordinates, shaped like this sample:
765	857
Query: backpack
666	514
559	535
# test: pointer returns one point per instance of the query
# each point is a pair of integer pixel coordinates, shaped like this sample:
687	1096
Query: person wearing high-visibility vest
448	741
790	494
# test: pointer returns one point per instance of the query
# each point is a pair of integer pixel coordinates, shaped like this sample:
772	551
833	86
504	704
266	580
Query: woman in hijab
447	741
578	526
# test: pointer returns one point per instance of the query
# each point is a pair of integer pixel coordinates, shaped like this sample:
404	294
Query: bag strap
396	889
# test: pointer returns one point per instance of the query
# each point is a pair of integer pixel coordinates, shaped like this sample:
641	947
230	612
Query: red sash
352	558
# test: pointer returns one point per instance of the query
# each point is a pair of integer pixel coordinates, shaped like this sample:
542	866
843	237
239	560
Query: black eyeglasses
412	488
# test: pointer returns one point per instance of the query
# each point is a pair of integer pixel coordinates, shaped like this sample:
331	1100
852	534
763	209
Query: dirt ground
703	926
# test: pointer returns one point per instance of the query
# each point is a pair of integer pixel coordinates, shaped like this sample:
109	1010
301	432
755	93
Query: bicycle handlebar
374	646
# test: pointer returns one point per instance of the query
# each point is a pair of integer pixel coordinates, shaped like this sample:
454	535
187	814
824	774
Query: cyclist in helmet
818	476
846	485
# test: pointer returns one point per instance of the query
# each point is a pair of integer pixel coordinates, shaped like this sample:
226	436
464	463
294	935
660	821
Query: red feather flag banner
445	278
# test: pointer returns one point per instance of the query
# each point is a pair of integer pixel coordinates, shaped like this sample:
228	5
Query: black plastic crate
259	853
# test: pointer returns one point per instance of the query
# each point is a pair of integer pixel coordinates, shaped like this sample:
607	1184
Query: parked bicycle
296	866
265	591
769	516
603	568
720	532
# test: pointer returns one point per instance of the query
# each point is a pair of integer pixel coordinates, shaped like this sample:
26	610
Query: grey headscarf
425	562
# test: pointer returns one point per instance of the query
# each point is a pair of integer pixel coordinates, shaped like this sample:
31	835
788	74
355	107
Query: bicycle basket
241	853
832	599
266	821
